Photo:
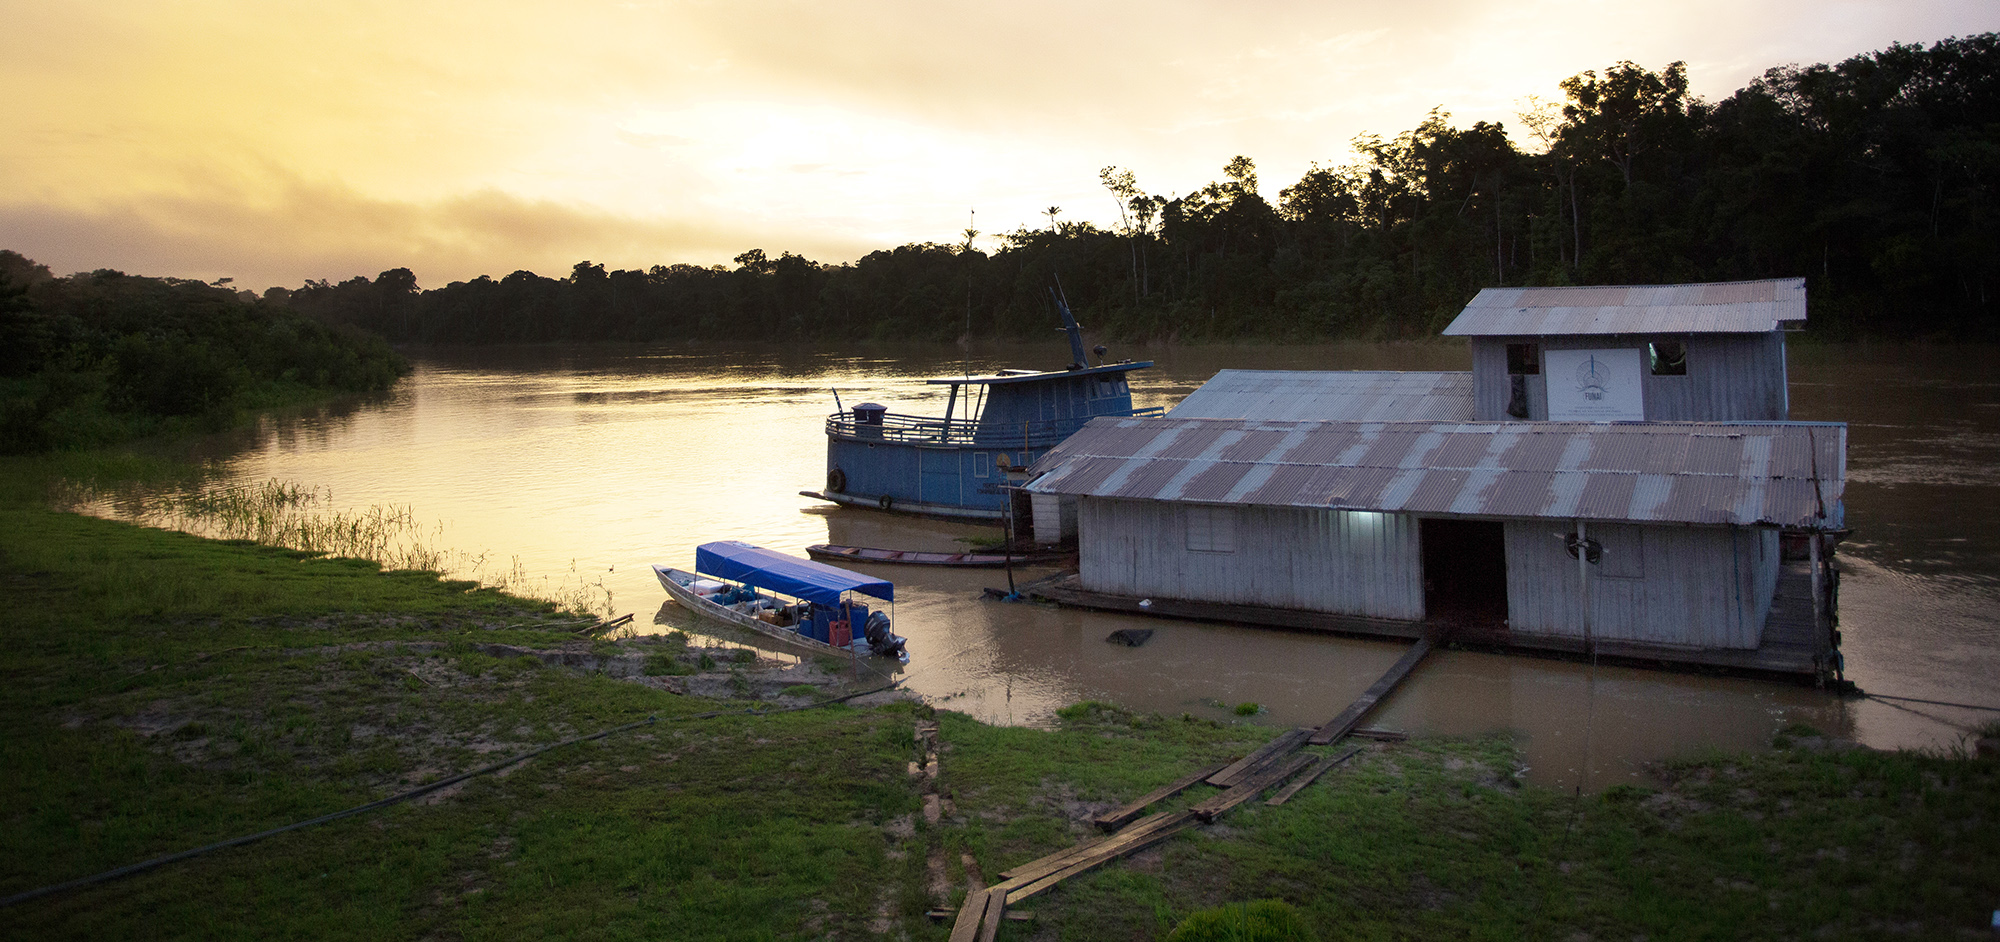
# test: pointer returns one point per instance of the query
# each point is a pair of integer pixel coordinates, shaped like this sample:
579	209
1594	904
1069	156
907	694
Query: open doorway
1465	573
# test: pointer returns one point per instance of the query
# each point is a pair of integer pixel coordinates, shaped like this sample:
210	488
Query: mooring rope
1962	706
418	792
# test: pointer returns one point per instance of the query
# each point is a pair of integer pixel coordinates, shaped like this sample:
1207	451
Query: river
578	467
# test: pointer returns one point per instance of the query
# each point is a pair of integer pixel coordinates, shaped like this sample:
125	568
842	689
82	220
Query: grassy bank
161	692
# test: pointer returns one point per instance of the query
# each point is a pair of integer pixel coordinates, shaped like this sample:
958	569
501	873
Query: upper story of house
1661	353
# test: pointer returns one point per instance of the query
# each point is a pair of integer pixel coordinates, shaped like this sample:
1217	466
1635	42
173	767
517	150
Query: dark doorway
1465	573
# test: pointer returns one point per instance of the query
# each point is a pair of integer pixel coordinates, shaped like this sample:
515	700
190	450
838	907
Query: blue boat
808	607
956	466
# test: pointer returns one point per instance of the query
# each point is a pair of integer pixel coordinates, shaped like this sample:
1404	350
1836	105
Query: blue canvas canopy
799	578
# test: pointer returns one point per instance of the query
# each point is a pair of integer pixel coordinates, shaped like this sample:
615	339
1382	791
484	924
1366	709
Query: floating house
957	465
1648	520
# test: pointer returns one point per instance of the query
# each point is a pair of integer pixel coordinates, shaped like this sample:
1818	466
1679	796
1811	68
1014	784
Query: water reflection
587	464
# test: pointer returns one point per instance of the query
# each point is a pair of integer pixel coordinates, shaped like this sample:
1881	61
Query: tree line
102	357
1872	178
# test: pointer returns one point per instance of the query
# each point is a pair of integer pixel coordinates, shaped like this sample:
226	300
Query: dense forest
1872	178
102	356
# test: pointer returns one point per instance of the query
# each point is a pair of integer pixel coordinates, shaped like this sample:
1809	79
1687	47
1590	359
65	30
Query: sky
276	141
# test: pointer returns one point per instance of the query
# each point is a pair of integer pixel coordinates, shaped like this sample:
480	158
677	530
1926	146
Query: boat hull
869	554
915	508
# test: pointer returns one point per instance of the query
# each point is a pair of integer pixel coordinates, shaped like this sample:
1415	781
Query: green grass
161	691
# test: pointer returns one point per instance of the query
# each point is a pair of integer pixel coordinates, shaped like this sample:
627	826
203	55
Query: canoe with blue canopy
755	566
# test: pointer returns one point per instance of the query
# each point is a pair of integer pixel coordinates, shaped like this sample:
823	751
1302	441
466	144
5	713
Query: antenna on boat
965	339
1078	360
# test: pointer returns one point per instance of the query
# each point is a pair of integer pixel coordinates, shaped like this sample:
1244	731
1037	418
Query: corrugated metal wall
1698	586
1730	377
1319	560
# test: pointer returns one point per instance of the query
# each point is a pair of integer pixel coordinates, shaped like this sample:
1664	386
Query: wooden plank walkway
1270	765
1285	794
1113	820
1276	748
1250	786
1340	725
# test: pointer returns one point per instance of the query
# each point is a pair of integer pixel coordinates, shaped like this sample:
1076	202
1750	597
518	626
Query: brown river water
578	467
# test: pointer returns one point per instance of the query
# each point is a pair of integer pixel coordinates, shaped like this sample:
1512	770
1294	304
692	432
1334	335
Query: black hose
144	866
1962	706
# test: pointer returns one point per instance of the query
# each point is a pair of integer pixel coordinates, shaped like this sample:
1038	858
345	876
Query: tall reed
288	514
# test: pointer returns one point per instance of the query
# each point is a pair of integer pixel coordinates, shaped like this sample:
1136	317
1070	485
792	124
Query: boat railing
964	433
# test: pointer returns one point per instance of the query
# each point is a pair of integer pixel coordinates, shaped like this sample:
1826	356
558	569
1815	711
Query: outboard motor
881	640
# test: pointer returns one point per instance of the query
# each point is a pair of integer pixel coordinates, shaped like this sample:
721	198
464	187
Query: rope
418	792
1962	706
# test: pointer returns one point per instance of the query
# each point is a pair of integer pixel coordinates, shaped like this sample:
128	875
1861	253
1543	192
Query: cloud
322	231
287	139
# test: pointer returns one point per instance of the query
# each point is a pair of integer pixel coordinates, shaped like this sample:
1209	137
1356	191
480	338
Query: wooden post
1818	590
1583	586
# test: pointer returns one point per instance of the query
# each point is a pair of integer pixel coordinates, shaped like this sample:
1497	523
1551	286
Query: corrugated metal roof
1370	395
1743	473
1731	307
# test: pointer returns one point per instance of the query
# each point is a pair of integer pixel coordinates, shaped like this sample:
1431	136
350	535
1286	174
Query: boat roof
1005	377
799	578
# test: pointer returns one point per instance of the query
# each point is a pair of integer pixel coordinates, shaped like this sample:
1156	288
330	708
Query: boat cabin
957	465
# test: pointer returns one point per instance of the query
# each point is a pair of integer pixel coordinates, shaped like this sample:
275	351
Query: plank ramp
971	923
1344	723
1272	764
1282	746
1138	837
1250	787
1113	820
1285	794
1043	866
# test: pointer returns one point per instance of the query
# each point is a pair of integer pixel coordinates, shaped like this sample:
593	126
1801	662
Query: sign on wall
1595	385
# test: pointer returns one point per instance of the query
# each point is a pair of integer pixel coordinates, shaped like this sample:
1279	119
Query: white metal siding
1730	377
1055	517
1702	586
1317	560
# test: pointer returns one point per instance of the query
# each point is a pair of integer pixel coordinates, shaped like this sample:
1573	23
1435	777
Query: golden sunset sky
275	141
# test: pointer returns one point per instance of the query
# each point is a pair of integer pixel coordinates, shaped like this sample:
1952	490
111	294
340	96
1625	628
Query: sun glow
282	140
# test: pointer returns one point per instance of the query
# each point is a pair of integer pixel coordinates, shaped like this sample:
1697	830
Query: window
981	463
1524	359
1668	357
1211	530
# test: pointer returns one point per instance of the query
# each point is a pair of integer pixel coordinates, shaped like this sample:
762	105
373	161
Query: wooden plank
1113	820
1348	718
1249	788
1043	866
971	915
996	907
1285	794
1181	821
1234	772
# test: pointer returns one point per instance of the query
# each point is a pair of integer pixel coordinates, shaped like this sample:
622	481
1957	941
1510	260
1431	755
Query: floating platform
1792	645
